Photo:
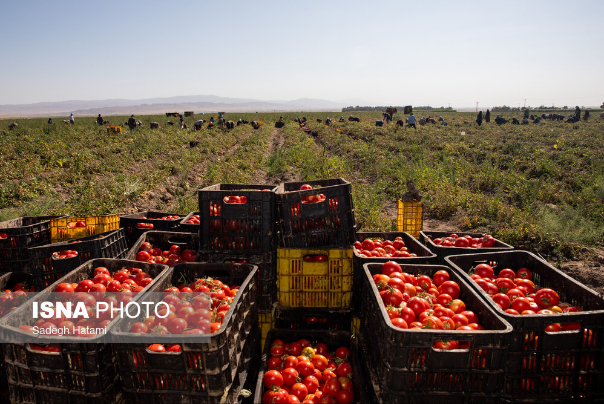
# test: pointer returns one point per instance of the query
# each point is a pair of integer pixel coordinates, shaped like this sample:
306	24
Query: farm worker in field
602	114
181	122
131	122
411	121
526	113
525	121
578	113
499	120
49	121
71	120
99	119
479	118
487	116
586	116
280	119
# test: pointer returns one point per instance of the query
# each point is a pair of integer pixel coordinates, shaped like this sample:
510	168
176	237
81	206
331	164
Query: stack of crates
238	226
315	258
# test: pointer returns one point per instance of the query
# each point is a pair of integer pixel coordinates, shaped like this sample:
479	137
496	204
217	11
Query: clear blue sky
375	52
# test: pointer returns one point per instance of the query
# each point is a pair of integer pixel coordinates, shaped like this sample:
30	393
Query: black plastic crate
313	319
163	240
208	364
47	270
17	236
332	339
237	227
403	361
426	237
188	227
424	256
322	224
133	233
266	275
543	365
249	372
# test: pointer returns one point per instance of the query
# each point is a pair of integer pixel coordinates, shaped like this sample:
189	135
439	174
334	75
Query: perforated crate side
410	217
63	228
301	283
330	223
238	227
47	270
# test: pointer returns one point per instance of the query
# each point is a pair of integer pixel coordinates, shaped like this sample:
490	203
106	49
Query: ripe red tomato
546	297
390	267
272	378
484	271
450	288
139	328
156	348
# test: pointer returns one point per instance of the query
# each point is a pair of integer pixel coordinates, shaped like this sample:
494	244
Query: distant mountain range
195	103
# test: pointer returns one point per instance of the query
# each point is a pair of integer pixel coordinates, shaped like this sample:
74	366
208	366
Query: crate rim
307	192
507	316
271	187
431	254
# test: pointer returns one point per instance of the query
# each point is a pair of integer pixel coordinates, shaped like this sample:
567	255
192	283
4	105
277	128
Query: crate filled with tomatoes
192	350
67	356
52	261
165	247
556	346
427	334
135	224
309	277
381	247
316	214
444	243
69	228
310	366
17	236
237	218
191	223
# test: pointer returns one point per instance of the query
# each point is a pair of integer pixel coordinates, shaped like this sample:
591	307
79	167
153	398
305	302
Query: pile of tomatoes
122	287
167	348
59	255
235	199
11	299
197	308
300	373
386	248
193	219
454	240
170	257
515	293
424	302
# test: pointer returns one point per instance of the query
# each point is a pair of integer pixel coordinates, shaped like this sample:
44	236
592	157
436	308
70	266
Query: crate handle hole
452	346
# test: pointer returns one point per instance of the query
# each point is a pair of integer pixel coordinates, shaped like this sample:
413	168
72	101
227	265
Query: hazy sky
376	52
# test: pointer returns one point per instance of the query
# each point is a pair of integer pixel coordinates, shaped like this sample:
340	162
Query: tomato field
538	187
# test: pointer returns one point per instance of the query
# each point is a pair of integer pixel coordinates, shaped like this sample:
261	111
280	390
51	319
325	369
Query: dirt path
163	194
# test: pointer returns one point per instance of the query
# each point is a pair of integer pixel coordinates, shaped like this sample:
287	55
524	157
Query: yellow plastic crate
302	283
410	217
355	325
115	129
63	229
266	321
